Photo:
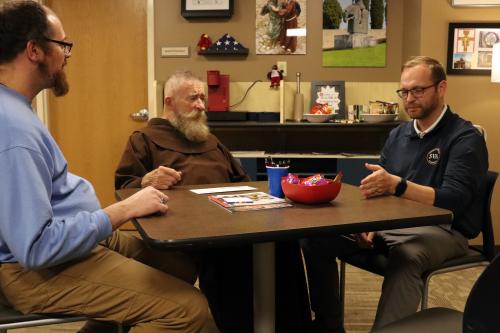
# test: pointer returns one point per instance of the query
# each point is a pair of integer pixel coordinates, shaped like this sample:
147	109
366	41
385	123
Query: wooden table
194	221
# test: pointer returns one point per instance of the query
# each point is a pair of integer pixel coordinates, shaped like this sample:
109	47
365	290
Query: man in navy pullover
438	159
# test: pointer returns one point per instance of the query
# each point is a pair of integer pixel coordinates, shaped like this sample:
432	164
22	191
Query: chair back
481	308
482	131
487	225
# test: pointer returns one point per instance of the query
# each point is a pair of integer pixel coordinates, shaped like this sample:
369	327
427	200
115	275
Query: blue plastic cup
274	175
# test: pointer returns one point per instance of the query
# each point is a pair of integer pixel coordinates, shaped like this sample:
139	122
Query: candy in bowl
307	193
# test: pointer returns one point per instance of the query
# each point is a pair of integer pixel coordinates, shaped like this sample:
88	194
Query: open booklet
242	202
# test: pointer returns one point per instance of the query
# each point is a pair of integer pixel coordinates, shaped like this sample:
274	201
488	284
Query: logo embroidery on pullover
433	156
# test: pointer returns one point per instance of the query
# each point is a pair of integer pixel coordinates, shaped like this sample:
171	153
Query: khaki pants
121	280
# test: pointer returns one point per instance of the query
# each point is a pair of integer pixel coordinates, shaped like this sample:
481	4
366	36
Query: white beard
192	124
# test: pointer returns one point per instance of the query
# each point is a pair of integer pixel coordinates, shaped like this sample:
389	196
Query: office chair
377	262
480	314
481	130
12	319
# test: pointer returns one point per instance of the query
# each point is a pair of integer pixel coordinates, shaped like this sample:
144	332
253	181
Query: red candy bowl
315	194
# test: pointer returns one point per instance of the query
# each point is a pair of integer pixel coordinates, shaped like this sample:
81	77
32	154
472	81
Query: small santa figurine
275	76
204	43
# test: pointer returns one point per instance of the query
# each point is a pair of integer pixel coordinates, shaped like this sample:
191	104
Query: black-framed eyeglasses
416	92
67	46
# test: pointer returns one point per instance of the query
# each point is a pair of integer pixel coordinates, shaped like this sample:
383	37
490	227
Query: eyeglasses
416	92
67	46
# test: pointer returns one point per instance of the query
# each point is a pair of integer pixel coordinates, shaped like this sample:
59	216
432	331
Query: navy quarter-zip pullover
452	158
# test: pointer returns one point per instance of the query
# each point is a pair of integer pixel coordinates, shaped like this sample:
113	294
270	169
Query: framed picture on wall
354	33
207	8
475	3
281	27
470	47
331	93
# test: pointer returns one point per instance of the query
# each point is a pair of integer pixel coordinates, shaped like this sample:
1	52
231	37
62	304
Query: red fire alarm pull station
218	91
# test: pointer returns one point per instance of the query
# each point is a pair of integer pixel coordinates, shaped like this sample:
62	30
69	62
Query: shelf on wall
227	45
224	53
326	138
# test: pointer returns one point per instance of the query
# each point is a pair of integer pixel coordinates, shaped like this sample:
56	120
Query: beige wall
412	18
173	30
362	84
473	97
414	27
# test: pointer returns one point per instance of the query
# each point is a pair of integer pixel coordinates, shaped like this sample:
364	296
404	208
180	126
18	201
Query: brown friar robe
225	276
160	144
289	16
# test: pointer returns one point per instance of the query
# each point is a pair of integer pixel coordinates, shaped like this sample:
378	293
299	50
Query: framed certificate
207	8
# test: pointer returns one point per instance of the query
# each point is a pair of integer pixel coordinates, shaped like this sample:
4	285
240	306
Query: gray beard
193	125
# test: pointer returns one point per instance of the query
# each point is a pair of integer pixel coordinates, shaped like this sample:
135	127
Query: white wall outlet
282	66
180	51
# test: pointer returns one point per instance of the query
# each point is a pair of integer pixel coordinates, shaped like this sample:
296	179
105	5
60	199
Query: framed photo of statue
470	47
280	26
354	33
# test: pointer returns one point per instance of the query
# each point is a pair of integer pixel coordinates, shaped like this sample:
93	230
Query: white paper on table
223	189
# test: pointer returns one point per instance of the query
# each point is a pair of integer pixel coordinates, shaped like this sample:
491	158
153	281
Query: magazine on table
248	201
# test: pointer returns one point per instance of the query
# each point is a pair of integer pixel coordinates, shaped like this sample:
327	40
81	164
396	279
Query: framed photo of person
207	8
470	47
281	27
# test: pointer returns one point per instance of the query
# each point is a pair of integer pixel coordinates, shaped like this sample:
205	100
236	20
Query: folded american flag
226	45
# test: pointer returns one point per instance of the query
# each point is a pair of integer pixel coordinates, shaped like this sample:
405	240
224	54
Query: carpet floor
362	292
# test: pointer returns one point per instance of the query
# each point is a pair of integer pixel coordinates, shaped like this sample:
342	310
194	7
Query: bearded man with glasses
60	251
437	159
65	45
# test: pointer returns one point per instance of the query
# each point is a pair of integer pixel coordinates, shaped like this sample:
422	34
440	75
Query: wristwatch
401	187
